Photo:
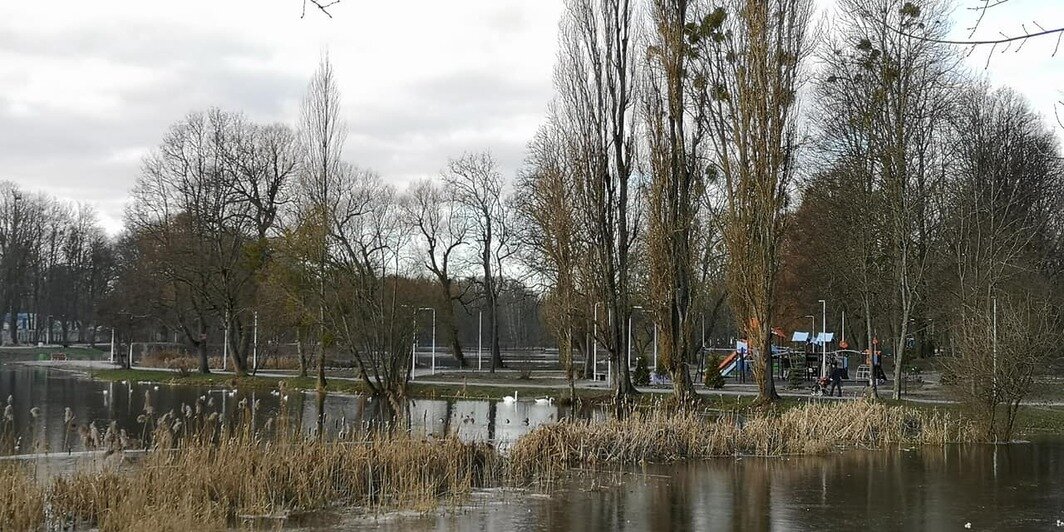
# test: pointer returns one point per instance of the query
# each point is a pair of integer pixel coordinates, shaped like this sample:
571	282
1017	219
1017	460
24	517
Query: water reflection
923	489
1015	487
101	403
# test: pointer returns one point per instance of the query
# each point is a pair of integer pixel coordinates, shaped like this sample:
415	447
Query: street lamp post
594	338
609	360
112	345
413	350
655	347
255	344
630	335
702	355
993	349
433	337
812	338
480	341
225	343
824	347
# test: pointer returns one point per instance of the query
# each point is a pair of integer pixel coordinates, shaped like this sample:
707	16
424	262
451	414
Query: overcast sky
88	87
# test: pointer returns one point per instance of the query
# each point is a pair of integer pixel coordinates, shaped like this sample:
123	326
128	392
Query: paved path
423	377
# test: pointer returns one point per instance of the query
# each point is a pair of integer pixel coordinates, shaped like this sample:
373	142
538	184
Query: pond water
1005	487
99	402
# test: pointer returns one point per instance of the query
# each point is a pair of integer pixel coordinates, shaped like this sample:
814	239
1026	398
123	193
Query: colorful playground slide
728	365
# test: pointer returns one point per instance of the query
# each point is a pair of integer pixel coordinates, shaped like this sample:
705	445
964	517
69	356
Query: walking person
740	364
877	367
836	379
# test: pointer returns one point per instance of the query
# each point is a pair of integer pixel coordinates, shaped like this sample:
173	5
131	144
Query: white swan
508	399
545	401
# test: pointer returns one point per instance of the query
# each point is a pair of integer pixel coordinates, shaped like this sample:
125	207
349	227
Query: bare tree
1004	202
1003	41
678	134
478	187
546	203
321	5
751	59
206	202
444	230
184	204
369	308
595	79
323	133
21	234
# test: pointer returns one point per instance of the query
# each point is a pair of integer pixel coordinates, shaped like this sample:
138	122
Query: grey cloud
409	134
442	117
73	155
147	44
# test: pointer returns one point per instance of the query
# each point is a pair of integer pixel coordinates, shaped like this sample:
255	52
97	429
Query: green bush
797	373
641	376
712	377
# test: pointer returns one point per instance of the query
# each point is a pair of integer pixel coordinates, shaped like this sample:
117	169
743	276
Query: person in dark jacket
836	379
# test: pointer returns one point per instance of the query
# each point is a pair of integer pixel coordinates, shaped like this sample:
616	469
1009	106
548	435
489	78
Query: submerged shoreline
187	443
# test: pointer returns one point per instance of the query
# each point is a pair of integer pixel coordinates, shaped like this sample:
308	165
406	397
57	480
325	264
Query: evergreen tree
713	378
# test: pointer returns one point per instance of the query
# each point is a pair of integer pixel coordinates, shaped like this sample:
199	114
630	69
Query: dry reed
203	471
549	451
21	500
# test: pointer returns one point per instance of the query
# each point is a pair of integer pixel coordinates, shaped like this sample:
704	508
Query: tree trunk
452	328
899	353
873	381
301	352
767	390
237	351
201	347
493	320
624	390
322	383
13	321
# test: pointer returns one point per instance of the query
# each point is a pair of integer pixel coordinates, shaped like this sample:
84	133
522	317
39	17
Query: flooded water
1006	487
98	402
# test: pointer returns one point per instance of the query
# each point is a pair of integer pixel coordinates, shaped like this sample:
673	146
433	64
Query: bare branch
322	6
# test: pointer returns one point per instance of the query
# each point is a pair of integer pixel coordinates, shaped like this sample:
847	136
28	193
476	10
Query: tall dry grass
21	500
212	487
549	451
190	362
205	472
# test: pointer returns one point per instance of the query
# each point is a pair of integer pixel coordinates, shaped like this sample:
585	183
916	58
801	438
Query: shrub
713	378
664	436
641	376
203	471
794	378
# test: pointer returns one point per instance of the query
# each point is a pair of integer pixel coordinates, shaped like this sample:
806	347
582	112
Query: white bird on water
545	401
508	399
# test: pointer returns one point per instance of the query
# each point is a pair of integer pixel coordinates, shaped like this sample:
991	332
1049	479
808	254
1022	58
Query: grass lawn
1031	421
217	379
44	353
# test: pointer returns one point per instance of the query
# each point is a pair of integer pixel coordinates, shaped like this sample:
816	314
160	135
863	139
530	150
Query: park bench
863	373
